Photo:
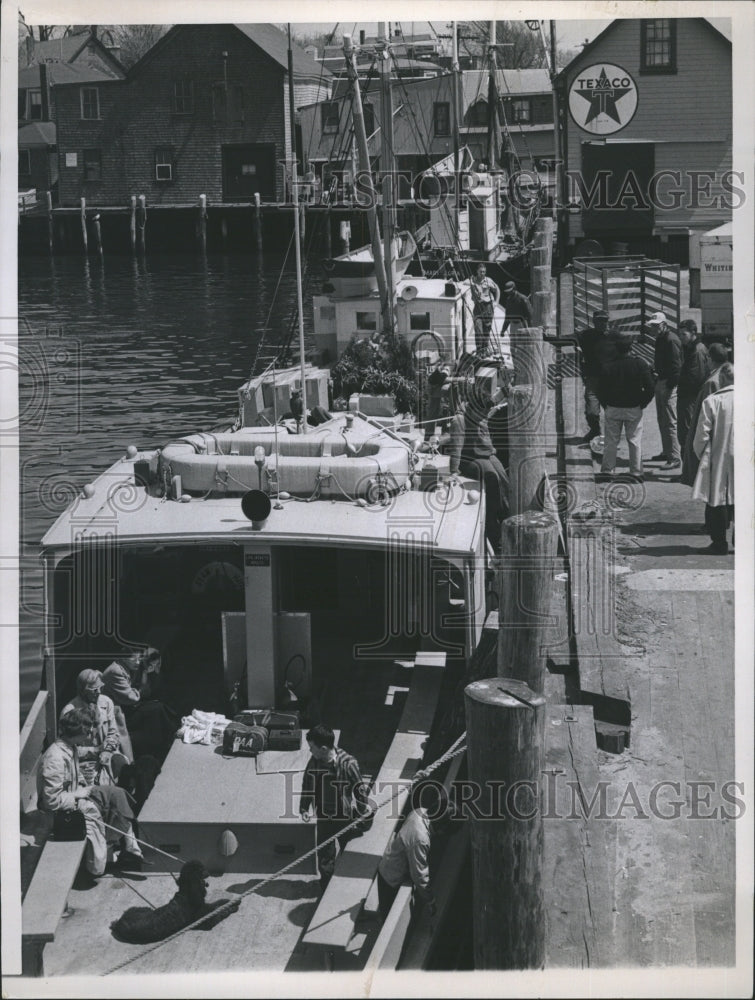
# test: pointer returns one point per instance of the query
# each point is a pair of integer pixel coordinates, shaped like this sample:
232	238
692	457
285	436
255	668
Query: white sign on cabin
72	160
716	269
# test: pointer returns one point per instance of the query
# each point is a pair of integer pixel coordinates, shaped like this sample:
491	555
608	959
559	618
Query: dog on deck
143	925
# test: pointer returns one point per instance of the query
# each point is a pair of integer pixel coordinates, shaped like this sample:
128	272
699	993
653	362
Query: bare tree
519	46
135	40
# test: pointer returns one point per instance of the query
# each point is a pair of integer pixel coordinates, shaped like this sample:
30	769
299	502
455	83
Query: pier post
202	223
224	230
527	354
540	279
541	309
50	227
302	221
84	225
328	234
97	234
132	224
529	543
526	446
505	755
141	218
539	254
345	233
258	221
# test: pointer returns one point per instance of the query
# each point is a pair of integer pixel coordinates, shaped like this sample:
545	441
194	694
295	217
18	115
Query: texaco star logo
602	98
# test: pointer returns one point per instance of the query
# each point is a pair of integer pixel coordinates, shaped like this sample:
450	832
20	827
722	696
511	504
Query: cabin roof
60	73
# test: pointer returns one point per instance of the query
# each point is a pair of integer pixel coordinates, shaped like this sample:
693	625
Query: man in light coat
714	482
61	787
722	375
95	758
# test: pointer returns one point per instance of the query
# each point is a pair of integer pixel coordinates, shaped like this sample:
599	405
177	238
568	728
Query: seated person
316	415
61	786
94	758
146	726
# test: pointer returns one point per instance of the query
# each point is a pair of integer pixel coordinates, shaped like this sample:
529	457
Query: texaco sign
602	98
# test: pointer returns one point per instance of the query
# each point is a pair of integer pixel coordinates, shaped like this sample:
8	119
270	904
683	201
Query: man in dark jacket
591	345
668	366
517	306
696	367
625	388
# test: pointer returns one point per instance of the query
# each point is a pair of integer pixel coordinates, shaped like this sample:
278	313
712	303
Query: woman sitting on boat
99	708
62	787
145	725
473	454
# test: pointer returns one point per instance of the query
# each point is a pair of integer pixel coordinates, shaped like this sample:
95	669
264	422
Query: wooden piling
141	218
132	224
328	234
224	230
505	754
302	222
97	234
540	278
529	543
539	256
50	226
84	236
258	221
527	405
541	309
527	355
202	223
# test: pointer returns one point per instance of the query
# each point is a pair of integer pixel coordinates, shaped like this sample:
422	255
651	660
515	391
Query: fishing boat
353	273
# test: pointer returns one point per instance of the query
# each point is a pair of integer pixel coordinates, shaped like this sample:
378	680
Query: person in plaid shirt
332	788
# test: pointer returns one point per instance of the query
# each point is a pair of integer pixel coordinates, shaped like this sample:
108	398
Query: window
34	106
165	168
521	111
90	102
477	115
658	45
369	119
367	321
92	165
183	97
329	112
24	165
419	321
442	118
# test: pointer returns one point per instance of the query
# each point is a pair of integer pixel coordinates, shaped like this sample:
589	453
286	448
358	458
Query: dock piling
202	223
505	754
526	446
132	224
142	223
97	234
50	226
258	221
84	225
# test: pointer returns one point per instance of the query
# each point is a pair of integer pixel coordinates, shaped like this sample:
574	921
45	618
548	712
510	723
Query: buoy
132	451
472	497
228	844
284	496
361	502
184	498
88	491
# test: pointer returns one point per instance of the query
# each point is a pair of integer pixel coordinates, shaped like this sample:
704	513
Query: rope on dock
457	747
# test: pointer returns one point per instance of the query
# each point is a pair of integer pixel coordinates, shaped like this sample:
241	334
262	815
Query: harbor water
121	351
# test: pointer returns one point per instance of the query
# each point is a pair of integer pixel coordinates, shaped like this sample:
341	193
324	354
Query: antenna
278	504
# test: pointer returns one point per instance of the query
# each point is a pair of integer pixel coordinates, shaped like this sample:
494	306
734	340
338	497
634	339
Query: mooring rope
454	750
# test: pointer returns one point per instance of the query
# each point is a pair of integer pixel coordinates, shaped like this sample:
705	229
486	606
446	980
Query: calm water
125	352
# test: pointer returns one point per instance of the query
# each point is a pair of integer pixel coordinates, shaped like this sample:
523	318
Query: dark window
24	165
22	104
90	102
658	45
521	111
183	97
35	105
442	118
367	321
369	119
477	115
329	112
92	165
419	321
165	166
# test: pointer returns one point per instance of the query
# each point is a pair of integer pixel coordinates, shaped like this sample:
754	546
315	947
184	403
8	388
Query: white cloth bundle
202	727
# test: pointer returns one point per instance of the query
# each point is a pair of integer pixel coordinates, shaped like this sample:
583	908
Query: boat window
442	118
330	113
419	321
367	321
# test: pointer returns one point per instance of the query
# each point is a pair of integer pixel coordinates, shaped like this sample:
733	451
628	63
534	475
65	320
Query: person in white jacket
714	446
61	786
95	758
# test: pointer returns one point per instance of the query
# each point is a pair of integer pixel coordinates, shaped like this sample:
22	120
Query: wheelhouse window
442	118
90	103
419	321
658	45
329	112
367	321
521	111
183	97
165	167
92	165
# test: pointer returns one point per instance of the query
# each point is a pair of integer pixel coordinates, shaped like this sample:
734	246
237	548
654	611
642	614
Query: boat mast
493	131
455	125
386	164
297	232
364	157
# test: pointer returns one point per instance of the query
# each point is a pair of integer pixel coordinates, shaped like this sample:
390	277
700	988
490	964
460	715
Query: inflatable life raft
329	464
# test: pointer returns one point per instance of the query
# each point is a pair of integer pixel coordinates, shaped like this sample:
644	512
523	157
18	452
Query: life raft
329	464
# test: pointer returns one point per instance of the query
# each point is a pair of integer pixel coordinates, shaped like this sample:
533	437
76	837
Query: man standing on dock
591	343
334	788
668	366
485	294
517	306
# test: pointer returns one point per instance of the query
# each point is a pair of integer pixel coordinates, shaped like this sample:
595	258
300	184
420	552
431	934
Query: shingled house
205	111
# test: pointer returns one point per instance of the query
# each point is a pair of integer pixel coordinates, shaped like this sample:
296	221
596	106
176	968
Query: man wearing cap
668	366
517	306
696	367
592	342
95	757
485	294
625	387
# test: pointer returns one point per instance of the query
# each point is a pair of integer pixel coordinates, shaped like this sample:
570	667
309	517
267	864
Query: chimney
44	90
397	32
115	51
29	50
361	36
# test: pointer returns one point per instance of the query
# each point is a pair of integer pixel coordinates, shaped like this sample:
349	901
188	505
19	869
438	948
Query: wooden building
205	111
646	112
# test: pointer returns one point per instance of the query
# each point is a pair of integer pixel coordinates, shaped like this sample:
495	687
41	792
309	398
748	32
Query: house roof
59	73
37	134
510	82
275	43
69	48
721	26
